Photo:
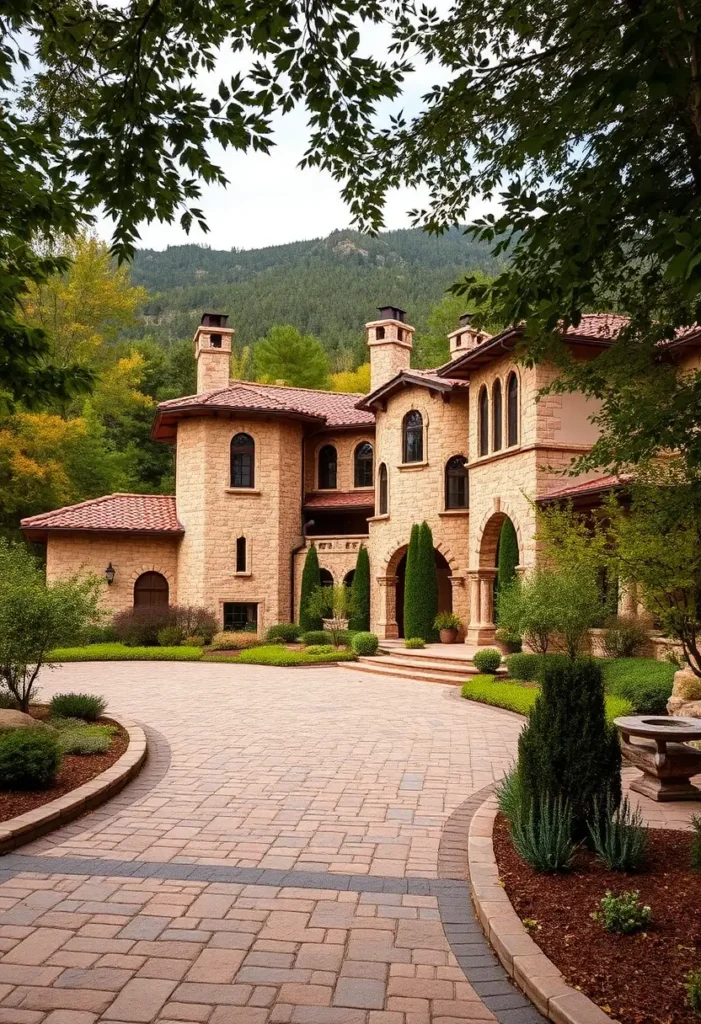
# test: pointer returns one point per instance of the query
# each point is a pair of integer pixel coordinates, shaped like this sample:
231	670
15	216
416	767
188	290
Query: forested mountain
327	287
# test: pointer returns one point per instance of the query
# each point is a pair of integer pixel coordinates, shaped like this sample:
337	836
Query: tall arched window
496	416
456	486
362	459
512	410
243	452
328	466
151	590
483	421
241	554
413	437
383	503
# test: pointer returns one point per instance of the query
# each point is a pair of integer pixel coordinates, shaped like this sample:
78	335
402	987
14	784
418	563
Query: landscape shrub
99	634
623	913
507	558
311	579
84	741
122	652
509	794
692	984
487	660
618	837
551	608
87	706
568	751
8	702
420	585
320	649
281	657
239	641
414	643
324	636
360	593
365	643
195	641
447	620
646	683
194	620
29	759
624	636
541	833
512	641
170	636
290	632
139	627
526	667
696	842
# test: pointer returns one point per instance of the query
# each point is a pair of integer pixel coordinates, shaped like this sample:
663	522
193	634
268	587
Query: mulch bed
637	979
75	770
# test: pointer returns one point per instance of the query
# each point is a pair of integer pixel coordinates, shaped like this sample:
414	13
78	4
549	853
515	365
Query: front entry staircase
450	664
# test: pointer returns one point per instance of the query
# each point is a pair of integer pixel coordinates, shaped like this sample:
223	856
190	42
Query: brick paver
311	803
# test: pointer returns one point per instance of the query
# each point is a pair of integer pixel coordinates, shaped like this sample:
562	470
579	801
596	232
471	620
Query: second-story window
456	486
512	410
362	459
243	452
328	464
496	416
241	554
483	421
413	439
383	503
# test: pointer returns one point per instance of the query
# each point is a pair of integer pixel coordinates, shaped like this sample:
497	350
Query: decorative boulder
10	720
686	695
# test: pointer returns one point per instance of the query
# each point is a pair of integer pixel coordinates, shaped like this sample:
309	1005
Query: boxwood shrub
487	660
525	667
290	632
365	643
516	697
29	759
414	643
646	683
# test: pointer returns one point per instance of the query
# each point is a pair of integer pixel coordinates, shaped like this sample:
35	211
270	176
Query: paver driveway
276	861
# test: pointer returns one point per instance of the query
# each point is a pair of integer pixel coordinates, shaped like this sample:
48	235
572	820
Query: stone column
481	628
460	599
387	621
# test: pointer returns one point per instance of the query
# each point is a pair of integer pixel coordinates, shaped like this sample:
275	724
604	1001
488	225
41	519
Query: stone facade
285	510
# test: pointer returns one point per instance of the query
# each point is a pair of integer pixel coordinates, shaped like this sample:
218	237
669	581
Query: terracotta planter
448	636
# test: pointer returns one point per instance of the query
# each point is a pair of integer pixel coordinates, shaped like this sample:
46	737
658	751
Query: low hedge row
120	652
519	698
281	657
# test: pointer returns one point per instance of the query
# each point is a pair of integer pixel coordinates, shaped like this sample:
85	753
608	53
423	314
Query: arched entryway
394	589
325	578
151	590
483	580
348	578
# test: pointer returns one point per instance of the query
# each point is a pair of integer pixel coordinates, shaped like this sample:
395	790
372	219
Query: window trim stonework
447	476
421	460
250	487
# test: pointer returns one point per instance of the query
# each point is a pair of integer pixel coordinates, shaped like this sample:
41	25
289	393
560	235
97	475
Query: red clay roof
421	378
341	500
136	513
327	408
601	483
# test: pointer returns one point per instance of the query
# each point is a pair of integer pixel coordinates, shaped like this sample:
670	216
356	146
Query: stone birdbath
659	748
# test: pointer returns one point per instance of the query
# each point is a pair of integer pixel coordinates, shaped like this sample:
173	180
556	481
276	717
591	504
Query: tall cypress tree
429	583
311	579
360	592
413	623
507	560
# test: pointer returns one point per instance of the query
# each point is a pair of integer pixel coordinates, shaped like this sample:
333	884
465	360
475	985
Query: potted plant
508	642
448	625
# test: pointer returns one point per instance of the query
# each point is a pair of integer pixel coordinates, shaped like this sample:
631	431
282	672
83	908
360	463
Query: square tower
212	344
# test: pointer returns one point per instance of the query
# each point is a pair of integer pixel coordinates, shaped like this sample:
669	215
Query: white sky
269	200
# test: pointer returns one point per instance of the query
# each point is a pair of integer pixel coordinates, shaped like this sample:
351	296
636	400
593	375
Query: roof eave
402	379
170	417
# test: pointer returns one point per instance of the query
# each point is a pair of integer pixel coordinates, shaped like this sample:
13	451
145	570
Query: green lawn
282	658
520	698
120	652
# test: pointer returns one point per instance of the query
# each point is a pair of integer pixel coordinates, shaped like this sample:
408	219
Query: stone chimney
389	340
212	344
465	337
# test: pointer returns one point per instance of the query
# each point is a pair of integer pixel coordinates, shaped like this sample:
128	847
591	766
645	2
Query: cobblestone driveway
276	861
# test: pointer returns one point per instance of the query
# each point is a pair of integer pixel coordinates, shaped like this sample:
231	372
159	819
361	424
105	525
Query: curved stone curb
26	827
524	960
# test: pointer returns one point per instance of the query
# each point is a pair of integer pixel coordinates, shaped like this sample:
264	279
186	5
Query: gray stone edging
29	826
523	959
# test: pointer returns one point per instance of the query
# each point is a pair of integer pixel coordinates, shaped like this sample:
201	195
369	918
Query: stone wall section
130	554
417	492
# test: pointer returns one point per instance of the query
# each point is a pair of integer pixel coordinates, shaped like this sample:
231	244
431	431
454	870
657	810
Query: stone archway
391	621
483	579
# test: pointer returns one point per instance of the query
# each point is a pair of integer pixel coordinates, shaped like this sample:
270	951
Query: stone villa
264	471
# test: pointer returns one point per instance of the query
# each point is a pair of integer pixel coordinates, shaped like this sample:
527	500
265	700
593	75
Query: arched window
363	465
496	416
241	554
483	421
512	410
456	486
326	578
383	489
328	462
151	590
348	578
243	452
413	431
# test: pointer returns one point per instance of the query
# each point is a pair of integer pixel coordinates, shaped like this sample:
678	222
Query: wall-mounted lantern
110	573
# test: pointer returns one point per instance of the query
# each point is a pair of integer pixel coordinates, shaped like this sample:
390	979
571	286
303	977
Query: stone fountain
659	747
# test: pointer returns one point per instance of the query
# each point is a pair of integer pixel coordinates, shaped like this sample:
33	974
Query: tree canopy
287	356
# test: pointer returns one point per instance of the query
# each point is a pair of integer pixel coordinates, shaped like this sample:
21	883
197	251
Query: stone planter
448	636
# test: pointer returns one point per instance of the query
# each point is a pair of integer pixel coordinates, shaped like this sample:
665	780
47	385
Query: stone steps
432	664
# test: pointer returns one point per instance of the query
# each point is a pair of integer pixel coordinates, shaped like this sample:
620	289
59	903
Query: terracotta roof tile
335	409
601	483
340	499
140	513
